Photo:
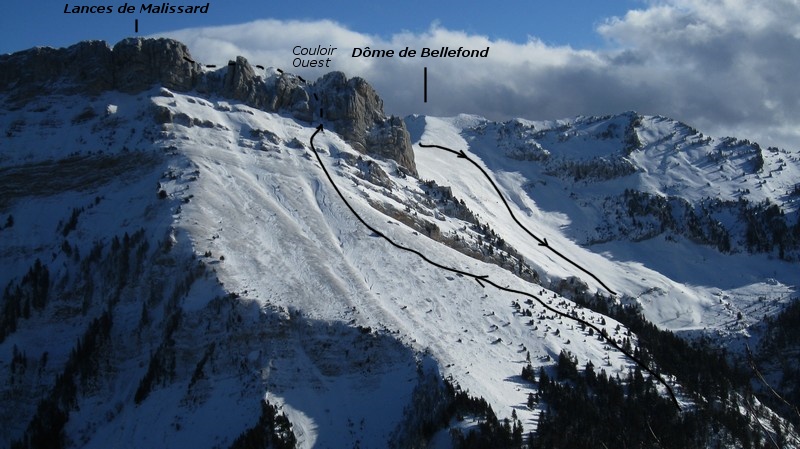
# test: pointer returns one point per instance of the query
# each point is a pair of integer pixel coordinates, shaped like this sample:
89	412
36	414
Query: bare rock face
390	139
351	106
92	67
83	67
356	111
142	63
288	93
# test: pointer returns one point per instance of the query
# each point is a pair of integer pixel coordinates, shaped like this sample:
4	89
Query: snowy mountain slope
103	245
271	286
680	284
295	246
176	259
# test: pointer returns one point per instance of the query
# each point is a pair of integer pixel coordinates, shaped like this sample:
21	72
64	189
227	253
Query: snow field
289	221
309	310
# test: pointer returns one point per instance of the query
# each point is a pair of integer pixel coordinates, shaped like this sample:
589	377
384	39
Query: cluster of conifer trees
584	408
767	227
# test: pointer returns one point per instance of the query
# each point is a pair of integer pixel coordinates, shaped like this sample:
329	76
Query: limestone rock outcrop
141	63
357	112
351	107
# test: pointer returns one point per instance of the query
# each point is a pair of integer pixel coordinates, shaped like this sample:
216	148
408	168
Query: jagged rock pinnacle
357	112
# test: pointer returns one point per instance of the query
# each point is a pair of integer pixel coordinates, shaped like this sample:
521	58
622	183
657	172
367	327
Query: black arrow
485	278
478	280
542	242
377	232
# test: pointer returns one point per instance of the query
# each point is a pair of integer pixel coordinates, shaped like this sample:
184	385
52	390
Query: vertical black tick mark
425	84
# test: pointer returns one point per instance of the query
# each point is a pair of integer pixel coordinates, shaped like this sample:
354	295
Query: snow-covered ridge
133	65
266	283
194	248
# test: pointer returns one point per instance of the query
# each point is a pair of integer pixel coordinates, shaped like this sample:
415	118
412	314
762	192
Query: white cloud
728	67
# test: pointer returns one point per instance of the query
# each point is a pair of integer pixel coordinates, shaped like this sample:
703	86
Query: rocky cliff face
357	113
351	106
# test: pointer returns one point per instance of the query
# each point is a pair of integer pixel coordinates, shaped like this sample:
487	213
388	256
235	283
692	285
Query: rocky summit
350	106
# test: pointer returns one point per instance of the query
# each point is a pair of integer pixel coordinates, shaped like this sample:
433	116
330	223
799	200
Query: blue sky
726	67
565	22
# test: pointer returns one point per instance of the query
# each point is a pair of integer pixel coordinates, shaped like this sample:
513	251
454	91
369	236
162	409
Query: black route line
379	233
542	242
485	279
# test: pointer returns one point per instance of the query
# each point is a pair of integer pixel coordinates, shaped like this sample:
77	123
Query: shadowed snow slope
170	260
227	270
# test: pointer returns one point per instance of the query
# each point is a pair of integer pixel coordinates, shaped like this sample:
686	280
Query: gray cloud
726	67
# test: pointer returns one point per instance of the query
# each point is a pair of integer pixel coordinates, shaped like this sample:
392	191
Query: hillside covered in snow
178	269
